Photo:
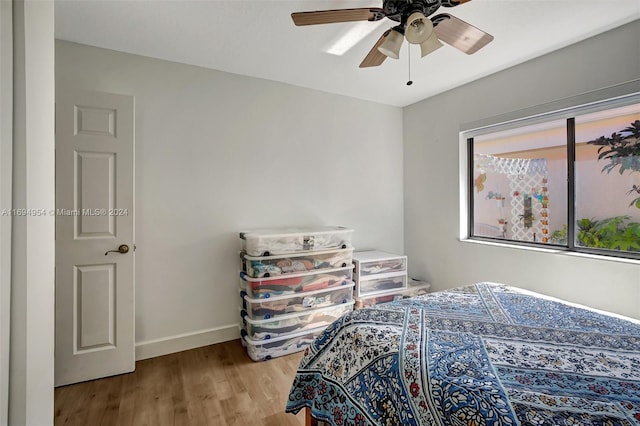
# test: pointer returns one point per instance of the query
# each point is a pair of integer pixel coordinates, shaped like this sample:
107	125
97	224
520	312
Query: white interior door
94	215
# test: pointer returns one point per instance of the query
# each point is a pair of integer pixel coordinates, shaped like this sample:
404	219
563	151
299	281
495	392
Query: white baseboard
183	342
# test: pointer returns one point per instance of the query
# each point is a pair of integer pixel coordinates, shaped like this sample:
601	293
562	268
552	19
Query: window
568	179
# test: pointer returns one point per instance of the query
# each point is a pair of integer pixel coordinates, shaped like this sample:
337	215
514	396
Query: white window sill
552	251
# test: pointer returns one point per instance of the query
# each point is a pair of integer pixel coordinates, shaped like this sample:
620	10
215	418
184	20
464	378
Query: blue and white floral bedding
486	354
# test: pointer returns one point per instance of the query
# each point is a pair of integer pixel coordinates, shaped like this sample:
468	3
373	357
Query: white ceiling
257	38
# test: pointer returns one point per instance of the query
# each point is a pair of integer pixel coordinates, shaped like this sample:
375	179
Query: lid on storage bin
284	232
244	255
363	256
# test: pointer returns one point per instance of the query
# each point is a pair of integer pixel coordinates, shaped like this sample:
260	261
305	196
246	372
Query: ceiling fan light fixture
391	45
430	45
419	28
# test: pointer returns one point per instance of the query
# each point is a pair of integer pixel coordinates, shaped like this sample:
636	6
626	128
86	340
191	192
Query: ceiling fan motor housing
400	10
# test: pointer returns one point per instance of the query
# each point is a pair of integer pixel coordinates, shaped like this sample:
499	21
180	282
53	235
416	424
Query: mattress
481	354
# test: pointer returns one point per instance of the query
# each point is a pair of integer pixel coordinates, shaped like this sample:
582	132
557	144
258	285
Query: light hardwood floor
214	385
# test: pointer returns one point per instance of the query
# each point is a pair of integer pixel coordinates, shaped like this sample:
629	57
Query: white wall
431	177
217	153
32	254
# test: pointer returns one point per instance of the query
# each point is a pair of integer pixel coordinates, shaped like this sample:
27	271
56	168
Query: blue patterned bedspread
486	354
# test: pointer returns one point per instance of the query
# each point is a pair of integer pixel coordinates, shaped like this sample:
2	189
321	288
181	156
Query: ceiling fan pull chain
409	83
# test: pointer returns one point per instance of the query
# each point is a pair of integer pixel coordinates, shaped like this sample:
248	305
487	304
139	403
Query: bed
485	354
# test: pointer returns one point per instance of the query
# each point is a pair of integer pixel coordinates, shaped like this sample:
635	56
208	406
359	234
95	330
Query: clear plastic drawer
262	350
414	288
268	242
377	299
258	309
282	325
264	288
377	262
270	266
382	283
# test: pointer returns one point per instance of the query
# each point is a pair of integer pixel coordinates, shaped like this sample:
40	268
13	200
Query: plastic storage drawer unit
289	323
270	266
262	350
262	288
381	283
266	242
268	308
377	299
414	289
378	262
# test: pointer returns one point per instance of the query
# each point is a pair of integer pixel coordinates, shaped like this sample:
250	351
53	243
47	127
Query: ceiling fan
414	25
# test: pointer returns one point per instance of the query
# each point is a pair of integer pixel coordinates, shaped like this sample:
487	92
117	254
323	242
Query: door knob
122	250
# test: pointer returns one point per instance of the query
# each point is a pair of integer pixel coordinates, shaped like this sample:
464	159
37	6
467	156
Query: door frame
6	157
32	251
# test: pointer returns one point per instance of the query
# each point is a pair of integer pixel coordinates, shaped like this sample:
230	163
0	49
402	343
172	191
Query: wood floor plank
284	419
214	385
75	409
127	408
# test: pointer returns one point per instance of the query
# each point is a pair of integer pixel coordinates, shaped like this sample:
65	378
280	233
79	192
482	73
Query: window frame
567	110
